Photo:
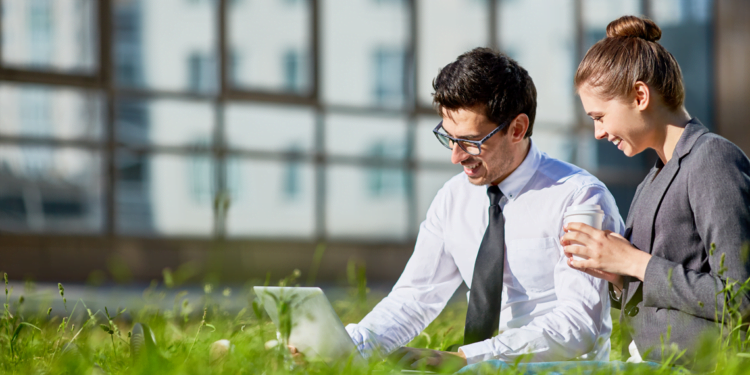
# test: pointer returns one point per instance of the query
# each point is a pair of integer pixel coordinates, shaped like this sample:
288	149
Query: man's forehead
476	110
465	122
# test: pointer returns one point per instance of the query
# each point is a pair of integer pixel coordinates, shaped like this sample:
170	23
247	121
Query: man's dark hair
488	78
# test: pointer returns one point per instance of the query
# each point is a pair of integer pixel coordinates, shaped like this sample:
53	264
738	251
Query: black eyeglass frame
460	141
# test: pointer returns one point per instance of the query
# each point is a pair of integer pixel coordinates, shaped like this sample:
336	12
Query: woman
665	273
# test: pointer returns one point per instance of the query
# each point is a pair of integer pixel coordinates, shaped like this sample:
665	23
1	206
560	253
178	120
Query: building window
235	64
40	30
294	71
385	181
291	184
128	46
36	120
389	65
201	174
201	72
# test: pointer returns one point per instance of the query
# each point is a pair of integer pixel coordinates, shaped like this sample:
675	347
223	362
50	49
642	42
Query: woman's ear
518	127
642	95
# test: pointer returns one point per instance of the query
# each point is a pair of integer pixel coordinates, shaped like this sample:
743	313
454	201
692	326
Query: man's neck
518	157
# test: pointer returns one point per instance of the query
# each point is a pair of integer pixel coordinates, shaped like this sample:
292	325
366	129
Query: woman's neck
669	133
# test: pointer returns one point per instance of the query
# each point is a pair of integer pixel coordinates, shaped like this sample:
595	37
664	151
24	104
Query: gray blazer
699	198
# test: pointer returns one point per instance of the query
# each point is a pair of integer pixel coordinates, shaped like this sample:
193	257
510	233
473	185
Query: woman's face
618	120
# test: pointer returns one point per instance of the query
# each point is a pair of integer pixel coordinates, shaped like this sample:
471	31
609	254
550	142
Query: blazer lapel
631	217
661	181
655	193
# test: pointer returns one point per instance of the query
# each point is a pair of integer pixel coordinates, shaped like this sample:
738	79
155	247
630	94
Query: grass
77	340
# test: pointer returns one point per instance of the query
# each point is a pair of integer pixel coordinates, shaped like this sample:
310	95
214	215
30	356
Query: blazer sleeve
719	195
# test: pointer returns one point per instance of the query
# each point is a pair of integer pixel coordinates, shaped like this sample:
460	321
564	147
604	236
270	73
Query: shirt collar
516	181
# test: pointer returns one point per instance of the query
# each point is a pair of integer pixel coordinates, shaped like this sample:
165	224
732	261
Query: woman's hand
608	254
613	278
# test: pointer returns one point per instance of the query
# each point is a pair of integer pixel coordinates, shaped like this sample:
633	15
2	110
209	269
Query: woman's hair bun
636	27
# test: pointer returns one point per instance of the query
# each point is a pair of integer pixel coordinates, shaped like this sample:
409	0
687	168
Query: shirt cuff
364	340
477	352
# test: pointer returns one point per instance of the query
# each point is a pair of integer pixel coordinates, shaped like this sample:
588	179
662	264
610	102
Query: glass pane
276	128
687	33
270	45
270	198
428	182
46	189
364	52
560	144
165	194
165	122
447	28
366	203
57	35
544	44
166	45
50	112
377	137
597	14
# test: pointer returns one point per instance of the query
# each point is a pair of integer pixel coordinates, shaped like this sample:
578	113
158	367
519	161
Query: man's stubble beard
487	179
499	169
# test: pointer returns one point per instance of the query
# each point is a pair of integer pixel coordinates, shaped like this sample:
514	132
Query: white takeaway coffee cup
589	214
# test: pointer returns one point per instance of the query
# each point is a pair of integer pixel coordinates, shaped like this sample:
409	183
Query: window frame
103	81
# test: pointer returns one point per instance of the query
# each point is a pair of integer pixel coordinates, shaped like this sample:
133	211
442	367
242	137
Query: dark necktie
483	314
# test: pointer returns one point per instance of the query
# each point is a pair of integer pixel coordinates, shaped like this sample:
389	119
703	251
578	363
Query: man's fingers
410	356
299	357
421	363
400	352
429	361
395	357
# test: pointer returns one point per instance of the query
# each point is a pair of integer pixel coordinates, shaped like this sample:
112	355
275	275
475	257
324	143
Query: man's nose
458	154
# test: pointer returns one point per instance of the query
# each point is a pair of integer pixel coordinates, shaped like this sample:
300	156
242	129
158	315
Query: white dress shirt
549	310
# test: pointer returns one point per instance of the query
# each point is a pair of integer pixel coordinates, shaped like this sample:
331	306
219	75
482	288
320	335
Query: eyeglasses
470	147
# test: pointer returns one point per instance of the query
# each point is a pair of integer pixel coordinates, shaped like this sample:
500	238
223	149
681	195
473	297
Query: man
507	247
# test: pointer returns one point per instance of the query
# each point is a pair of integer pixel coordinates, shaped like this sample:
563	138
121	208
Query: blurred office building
152	130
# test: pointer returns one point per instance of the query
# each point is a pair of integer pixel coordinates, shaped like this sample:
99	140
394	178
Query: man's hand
299	357
433	360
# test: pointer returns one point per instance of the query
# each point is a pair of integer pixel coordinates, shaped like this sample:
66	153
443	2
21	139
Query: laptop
316	330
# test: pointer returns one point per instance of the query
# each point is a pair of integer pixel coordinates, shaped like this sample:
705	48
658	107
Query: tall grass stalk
43	342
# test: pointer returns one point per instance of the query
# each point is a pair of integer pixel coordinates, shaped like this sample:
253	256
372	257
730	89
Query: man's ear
642	95
518	127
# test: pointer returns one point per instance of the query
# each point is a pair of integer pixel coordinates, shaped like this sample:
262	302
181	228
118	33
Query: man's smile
471	168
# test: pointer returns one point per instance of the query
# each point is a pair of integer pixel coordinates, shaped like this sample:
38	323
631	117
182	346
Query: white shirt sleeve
580	318
429	280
